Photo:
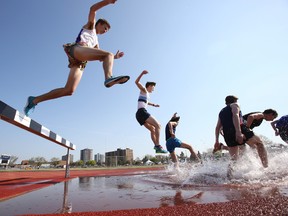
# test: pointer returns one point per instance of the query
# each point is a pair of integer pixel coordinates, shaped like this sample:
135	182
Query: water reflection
118	182
254	192
66	206
178	199
125	186
90	194
85	183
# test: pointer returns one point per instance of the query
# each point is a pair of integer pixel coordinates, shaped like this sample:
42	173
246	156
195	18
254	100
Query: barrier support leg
67	171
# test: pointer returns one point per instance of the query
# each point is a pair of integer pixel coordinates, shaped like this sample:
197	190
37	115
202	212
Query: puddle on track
87	194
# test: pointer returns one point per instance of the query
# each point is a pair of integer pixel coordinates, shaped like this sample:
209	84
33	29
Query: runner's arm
236	122
273	124
153	104
217	130
171	129
92	13
251	118
138	84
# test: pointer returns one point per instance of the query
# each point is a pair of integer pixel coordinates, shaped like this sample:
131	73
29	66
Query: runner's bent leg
234	154
71	85
151	128
174	159
152	121
256	141
192	152
83	53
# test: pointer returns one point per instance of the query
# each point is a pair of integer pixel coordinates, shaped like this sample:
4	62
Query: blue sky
197	52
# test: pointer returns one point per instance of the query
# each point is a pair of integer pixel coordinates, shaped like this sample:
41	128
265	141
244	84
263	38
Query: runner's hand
240	138
119	55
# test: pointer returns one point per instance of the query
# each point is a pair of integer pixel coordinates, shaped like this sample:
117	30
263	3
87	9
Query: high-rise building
119	157
64	157
99	158
86	155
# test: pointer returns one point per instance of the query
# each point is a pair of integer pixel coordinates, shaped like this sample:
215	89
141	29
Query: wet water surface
128	192
200	183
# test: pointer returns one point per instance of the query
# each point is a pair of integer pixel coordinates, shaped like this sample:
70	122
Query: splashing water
247	171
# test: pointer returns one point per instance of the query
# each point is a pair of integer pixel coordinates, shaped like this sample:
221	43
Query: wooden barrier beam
13	116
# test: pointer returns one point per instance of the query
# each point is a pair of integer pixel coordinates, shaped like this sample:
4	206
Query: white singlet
143	100
88	37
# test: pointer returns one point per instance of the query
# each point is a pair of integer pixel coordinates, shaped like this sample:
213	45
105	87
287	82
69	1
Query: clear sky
197	52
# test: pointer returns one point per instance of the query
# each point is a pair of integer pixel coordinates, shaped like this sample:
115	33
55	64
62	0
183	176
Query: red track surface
16	183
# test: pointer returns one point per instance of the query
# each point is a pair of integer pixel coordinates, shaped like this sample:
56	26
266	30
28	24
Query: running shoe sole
161	151
117	80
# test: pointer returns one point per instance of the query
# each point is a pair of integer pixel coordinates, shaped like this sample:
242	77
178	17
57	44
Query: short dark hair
231	99
102	22
150	84
271	111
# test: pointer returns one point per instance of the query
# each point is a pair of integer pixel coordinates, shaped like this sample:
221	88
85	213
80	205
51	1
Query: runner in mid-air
85	48
145	118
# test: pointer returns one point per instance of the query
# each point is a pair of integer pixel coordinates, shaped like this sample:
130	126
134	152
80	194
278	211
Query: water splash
247	171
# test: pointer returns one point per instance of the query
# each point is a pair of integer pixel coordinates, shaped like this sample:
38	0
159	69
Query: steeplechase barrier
13	116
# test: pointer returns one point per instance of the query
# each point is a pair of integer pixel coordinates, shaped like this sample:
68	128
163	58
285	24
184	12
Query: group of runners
237	130
231	125
86	48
